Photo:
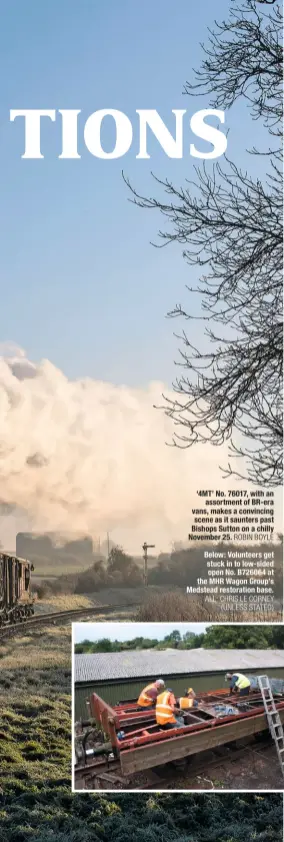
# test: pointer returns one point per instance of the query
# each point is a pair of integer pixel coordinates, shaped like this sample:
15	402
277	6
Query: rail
59	616
106	774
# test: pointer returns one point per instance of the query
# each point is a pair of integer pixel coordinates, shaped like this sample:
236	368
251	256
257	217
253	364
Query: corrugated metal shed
111	666
130	688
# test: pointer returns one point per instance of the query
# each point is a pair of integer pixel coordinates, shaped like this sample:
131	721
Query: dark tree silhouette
230	225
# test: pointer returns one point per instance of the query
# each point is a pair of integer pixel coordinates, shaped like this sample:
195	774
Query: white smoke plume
85	456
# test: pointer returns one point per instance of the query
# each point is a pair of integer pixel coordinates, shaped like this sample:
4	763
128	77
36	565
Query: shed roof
137	664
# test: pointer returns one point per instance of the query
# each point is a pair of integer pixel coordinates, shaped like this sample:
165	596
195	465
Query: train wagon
16	602
128	741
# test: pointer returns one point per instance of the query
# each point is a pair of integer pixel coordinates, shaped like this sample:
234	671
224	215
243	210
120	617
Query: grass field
35	708
36	803
35	680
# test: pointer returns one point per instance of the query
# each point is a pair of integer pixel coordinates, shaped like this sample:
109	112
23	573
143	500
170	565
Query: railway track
99	775
59	617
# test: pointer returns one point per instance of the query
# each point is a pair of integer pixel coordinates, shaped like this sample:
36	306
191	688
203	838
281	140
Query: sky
128	631
83	291
80	283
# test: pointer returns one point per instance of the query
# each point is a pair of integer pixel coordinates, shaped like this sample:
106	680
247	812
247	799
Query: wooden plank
155	754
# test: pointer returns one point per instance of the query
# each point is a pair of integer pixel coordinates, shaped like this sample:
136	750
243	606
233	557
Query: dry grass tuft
63	602
40	649
174	606
179	607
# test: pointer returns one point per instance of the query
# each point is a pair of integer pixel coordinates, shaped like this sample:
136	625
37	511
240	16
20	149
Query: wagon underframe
145	745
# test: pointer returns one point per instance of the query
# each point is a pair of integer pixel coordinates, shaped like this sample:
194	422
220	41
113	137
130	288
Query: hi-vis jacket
185	703
144	699
242	681
164	708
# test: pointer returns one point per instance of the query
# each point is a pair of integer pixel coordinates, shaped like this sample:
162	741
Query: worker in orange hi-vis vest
167	711
148	697
188	700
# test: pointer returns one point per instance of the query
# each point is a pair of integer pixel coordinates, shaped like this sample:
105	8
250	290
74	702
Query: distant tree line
179	568
118	570
183	567
215	637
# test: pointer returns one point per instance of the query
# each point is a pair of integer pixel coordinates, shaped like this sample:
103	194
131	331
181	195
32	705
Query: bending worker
148	697
188	700
238	683
167	712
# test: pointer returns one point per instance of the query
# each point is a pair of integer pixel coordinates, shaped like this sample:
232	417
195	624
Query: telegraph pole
108	545
145	549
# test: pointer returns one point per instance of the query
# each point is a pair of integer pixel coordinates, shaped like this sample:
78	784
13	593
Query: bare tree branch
230	227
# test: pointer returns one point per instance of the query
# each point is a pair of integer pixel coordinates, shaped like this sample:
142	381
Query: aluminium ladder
273	718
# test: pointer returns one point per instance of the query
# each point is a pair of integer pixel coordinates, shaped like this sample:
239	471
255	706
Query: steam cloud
86	456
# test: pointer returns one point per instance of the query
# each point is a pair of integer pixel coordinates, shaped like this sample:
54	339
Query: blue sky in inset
128	631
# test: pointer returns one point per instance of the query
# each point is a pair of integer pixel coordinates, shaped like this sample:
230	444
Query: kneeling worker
188	700
238	683
148	697
166	710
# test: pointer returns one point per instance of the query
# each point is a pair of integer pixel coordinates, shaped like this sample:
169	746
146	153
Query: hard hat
228	676
160	681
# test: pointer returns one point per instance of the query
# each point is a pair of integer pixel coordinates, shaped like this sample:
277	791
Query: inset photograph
166	706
